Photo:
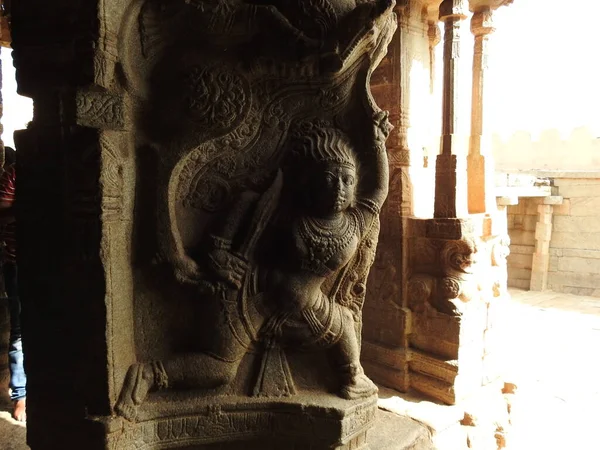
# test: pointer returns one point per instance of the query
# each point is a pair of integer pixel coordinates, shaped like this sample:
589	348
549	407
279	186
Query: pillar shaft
479	165
543	235
448	198
451	16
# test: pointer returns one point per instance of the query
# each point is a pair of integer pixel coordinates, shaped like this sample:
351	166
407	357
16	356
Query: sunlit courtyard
551	345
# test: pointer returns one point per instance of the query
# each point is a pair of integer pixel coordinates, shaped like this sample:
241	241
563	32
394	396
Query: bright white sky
544	71
18	111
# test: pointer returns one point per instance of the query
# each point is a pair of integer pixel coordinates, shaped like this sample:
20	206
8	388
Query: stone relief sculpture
271	170
267	286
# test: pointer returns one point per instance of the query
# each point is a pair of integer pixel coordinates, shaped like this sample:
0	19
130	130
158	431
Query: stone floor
552	353
12	433
552	345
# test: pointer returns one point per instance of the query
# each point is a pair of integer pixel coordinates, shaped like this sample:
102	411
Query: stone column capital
434	33
482	23
452	10
481	5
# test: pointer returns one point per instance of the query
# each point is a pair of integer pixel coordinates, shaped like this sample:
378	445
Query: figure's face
334	188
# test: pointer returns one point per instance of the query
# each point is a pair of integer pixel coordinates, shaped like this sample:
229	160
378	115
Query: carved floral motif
214	98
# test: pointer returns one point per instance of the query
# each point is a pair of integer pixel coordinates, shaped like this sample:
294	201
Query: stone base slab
231	422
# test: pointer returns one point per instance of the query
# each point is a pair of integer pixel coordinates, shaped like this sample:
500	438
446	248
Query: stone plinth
306	421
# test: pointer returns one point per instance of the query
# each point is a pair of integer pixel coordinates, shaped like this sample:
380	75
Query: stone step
396	432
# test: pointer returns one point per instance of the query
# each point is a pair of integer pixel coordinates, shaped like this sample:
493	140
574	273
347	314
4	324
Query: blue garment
18	379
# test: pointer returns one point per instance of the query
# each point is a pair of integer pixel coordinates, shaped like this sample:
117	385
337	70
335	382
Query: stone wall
574	265
575	245
552	149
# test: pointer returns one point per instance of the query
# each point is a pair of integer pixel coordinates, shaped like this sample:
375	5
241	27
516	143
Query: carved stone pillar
4	313
394	86
450	184
480	167
435	36
383	308
543	235
196	274
457	266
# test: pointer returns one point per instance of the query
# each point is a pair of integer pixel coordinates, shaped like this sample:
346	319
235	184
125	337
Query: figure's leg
18	379
201	370
213	368
355	384
193	370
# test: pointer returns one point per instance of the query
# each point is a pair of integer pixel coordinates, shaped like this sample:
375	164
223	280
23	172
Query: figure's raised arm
374	171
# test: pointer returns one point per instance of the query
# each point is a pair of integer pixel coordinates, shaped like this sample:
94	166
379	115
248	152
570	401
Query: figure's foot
358	385
19	410
138	382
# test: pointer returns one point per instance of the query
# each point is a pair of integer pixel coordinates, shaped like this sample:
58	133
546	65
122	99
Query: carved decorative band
240	424
100	110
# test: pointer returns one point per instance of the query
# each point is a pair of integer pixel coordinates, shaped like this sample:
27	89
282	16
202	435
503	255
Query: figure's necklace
324	238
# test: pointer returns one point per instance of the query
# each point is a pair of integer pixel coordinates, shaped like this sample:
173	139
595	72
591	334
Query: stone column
434	35
76	187
457	264
450	185
4	314
387	318
383	306
479	167
543	235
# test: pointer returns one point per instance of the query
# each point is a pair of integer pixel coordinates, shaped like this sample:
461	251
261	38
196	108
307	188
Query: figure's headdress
320	142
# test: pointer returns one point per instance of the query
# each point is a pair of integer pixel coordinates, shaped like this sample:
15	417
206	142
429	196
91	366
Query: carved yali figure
318	33
279	266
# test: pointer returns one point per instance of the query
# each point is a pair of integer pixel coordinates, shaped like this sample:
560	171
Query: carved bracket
448	272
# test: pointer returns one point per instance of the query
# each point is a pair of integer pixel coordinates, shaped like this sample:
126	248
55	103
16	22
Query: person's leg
18	379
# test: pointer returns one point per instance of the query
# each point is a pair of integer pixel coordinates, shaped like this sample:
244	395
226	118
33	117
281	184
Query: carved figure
287	270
